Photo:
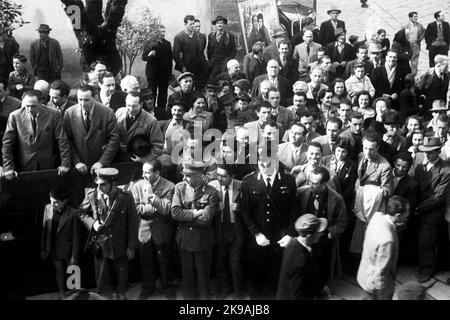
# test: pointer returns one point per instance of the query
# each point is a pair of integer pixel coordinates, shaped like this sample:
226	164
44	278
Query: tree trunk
97	34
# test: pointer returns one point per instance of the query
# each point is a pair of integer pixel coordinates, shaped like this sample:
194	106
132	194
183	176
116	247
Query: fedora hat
309	223
430	144
44	28
339	31
225	21
334	9
438	106
278	32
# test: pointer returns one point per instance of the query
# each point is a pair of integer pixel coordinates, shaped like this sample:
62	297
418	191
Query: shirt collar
90	112
156	182
300	240
272	177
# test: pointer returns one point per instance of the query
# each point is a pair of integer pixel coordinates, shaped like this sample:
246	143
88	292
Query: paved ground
343	289
386	14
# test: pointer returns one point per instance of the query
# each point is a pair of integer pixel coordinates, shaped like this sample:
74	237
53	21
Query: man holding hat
298	280
221	46
45	56
433	177
327	28
111	218
194	207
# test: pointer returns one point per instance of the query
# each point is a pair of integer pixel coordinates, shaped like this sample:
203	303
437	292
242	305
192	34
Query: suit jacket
255	133
431	33
67	243
433	88
345	178
253	67
194	234
119	230
336	216
381	83
347	54
287	157
223	51
25	151
285	118
420	29
378	266
272	214
225	76
296	274
433	187
237	233
146	125
407	188
100	143
158	66
289	70
326	34
117	100
355	142
378	172
63	108
54	54
323	140
284	87
301	54
155	220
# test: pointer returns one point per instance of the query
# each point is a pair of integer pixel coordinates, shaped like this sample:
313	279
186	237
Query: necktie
308	49
364	167
226	208
34	124
219	36
269	186
316	204
87	120
106	200
296	155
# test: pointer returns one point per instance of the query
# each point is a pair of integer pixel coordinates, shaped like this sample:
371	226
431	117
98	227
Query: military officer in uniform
268	207
110	215
193	207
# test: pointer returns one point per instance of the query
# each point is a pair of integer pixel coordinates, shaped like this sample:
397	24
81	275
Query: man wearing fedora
392	136
45	56
221	46
110	216
438	110
340	52
433	176
328	28
271	51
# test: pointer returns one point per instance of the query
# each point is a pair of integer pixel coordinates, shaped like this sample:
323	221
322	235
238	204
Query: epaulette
249	174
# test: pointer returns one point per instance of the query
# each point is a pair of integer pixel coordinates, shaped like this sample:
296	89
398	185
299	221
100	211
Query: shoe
421	278
364	5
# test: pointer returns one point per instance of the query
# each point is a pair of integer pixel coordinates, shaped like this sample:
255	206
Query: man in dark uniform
221	46
268	206
158	70
110	215
193	207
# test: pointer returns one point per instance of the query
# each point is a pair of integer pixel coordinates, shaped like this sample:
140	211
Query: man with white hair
44	88
130	83
278	81
306	53
233	72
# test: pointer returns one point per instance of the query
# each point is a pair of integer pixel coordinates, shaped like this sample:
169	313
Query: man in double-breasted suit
60	237
437	37
110	215
153	196
92	132
194	207
268	206
327	28
45	56
378	266
322	201
133	121
433	179
158	69
230	233
34	139
340	52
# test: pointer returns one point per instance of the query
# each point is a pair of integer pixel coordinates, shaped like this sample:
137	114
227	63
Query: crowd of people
321	157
